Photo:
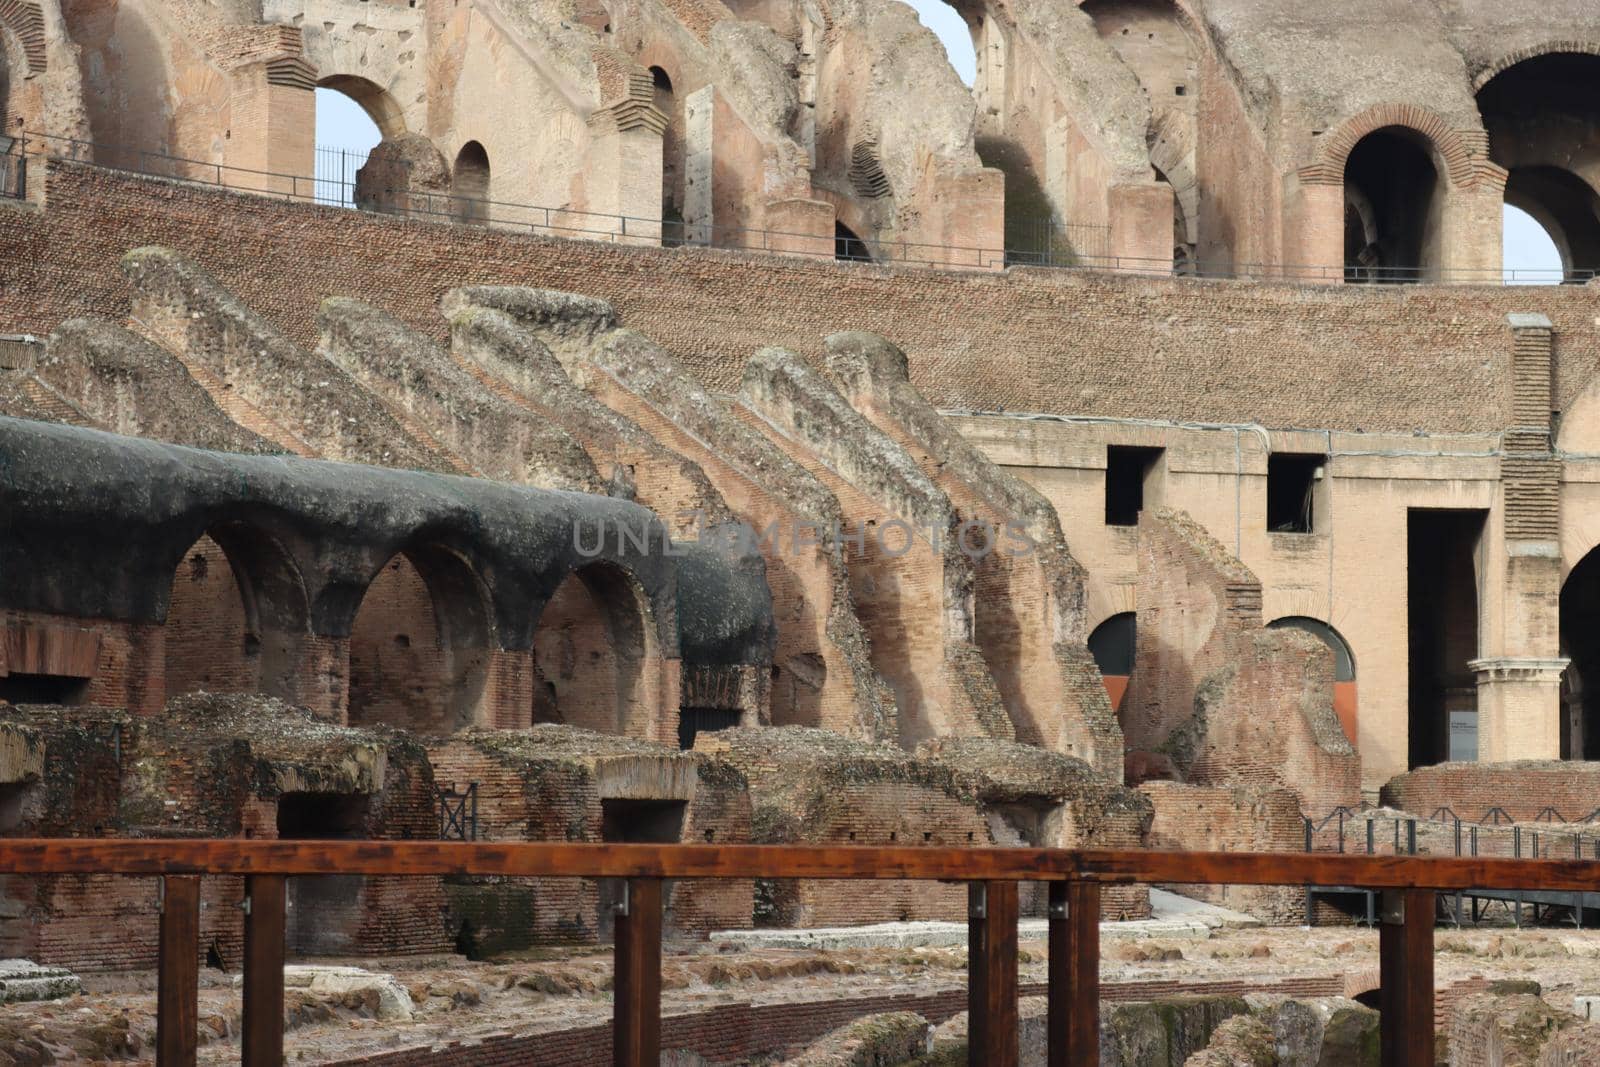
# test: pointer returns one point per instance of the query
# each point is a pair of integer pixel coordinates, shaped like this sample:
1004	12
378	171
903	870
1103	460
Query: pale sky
342	124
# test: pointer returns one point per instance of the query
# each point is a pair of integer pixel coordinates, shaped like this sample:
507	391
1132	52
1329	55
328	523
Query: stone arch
469	183
237	616
25	20
1396	172
1345	704
1172	155
421	642
1452	152
1540	117
598	658
379	104
1511	59
1113	644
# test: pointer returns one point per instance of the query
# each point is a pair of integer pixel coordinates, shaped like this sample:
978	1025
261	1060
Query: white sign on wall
1463	736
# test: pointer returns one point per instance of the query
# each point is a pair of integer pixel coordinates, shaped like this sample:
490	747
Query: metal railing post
1405	974
1073	1020
992	974
178	972
261	1033
636	1010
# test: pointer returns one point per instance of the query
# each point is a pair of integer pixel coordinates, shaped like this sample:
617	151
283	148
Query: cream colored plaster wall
1350	572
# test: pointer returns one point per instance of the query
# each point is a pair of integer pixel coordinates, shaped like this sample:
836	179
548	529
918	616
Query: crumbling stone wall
128	385
824	672
810	786
1028	591
911	574
232	351
554	783
1523	789
483	433
211	766
1238	818
1217	698
1034	797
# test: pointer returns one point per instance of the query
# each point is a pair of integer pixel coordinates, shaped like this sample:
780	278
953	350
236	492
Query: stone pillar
1313	231
1141	226
800	227
272	128
1519	677
624	176
1519	701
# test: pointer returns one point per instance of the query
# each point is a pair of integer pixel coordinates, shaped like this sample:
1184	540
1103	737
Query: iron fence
334	175
458	813
13	168
1046	244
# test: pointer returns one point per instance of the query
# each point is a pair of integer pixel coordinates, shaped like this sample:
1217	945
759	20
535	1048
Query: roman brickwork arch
1455	151
238	618
1541	120
420	644
1441	225
379	104
598	661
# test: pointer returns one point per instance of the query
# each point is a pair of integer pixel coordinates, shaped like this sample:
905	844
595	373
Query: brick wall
402	670
1217	697
1523	789
1232	819
981	341
734	1033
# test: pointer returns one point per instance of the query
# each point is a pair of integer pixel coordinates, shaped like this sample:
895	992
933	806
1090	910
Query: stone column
1141	226
272	128
1519	682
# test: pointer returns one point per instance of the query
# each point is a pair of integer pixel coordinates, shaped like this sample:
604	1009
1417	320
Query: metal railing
13	168
1067	246
1496	833
458	813
1074	877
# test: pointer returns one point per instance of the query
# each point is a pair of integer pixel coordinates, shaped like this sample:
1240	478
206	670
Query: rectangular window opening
1293	485
1130	472
42	689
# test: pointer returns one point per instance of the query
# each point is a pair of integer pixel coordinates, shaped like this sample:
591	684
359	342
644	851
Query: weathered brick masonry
1218	351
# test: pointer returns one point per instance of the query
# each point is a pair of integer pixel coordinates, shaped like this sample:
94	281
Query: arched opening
419	648
469	184
236	617
673	162
597	657
1112	645
847	246
1580	642
1344	666
954	33
1541	115
1394	204
353	116
1529	255
1562	210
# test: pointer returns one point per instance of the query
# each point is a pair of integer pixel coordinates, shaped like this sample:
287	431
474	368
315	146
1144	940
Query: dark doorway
1392	206
1292	482
695	721
1580	641
847	246
1442	628
1128	470
324	912
653	822
42	689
